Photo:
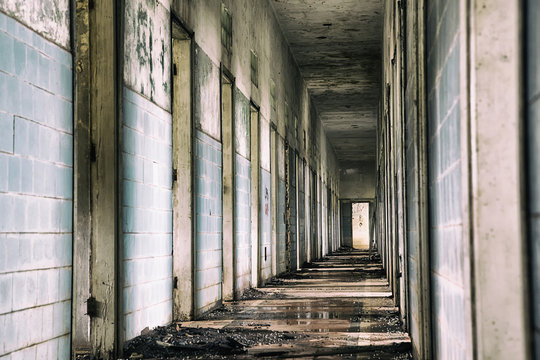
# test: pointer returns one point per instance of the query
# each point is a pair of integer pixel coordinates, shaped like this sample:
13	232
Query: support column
95	249
102	305
227	138
500	285
255	178
274	171
183	248
82	203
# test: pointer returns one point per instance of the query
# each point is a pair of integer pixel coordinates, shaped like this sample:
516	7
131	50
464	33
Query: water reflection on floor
342	304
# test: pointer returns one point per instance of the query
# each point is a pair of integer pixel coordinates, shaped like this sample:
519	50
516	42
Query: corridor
270	178
339	307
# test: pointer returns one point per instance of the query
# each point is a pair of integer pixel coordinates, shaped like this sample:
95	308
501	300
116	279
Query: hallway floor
340	307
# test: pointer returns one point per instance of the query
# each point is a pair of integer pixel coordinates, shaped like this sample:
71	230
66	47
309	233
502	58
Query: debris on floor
175	341
338	308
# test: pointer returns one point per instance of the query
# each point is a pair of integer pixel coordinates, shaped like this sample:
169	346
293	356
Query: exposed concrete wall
358	182
533	129
36	180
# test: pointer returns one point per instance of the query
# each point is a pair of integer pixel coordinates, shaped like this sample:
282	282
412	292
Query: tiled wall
533	108
147	214
36	194
209	222
242	223
265	231
447	263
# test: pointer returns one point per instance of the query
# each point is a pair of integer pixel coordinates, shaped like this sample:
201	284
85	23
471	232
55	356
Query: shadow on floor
336	308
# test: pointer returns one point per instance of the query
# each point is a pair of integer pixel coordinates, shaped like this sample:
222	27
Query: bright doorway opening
360	225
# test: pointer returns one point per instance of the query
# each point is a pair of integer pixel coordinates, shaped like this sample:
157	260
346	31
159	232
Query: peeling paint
49	18
147	50
264	143
206	94
241	130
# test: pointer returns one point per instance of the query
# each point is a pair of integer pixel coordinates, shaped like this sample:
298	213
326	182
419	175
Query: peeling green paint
49	18
242	134
147	50
206	94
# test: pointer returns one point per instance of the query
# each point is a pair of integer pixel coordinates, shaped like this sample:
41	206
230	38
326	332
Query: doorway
255	178
227	139
360	225
182	157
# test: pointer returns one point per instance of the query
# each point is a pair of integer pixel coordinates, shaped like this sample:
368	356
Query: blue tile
4	159
19	58
130	114
6	55
66	224
64	182
23	33
6	287
6	133
11	25
65	284
3	21
65	58
12	99
66	82
14	182
42	101
34	141
43	72
55	77
27	100
129	219
65	116
66	149
27	176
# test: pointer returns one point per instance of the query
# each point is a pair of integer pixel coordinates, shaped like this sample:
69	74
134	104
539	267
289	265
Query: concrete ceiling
337	44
